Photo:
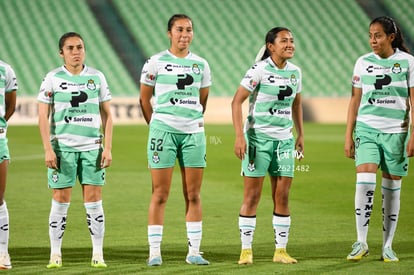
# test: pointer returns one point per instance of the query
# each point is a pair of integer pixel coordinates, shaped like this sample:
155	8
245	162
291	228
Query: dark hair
270	38
66	36
390	27
175	17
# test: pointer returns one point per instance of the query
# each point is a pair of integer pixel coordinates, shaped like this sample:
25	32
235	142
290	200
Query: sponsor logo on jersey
69	119
380	101
174	101
184	80
252	84
356	79
279	112
372	68
63	85
48	93
150	77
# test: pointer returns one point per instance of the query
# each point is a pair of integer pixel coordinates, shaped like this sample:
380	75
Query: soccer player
377	130
76	98
266	144
8	88
179	80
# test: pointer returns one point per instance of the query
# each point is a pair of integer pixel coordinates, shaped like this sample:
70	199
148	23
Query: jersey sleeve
411	72
206	80
149	72
252	78
356	76
299	89
11	80
46	90
104	93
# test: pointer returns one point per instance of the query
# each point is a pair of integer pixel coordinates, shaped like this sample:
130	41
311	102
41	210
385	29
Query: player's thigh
395	160
4	150
66	174
89	168
367	149
192	152
161	149
283	158
257	159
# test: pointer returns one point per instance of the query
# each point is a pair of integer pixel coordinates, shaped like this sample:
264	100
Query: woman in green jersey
178	81
377	133
266	145
8	87
74	104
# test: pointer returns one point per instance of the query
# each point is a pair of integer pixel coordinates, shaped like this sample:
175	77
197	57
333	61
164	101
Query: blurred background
121	34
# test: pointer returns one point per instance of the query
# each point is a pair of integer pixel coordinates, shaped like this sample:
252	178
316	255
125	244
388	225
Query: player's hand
51	159
349	148
106	159
240	147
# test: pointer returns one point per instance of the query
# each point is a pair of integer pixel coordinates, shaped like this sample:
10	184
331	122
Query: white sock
96	223
57	225
391	190
4	228
194	234
281	227
364	202
247	226
154	239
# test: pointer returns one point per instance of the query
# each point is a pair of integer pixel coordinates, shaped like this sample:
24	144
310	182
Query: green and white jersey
8	83
385	83
75	119
177	82
273	91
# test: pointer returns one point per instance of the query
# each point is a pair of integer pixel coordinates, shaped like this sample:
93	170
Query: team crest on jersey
293	80
155	157
196	69
251	167
55	176
396	68
91	84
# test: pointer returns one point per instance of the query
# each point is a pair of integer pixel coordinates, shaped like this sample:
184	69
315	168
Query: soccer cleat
55	261
5	261
196	259
281	256
154	260
359	250
98	261
388	255
246	256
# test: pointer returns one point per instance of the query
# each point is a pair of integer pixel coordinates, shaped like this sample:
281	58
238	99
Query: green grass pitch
321	201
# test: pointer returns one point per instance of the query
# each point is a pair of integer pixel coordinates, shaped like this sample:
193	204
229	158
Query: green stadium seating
29	42
402	11
329	36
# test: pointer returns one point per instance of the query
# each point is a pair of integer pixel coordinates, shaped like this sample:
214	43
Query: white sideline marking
29	157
